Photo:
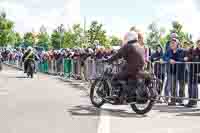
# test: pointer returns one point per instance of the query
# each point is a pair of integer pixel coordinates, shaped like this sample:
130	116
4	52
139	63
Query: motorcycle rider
132	53
28	57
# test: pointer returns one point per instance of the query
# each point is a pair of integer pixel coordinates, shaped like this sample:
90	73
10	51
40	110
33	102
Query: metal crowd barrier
180	81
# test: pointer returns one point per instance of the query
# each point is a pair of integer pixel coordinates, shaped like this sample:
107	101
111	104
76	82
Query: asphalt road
46	104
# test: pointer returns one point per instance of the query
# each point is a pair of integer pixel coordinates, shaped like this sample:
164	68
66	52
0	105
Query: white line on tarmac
3	91
104	123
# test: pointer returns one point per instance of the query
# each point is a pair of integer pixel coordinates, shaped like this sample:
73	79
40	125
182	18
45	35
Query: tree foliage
96	32
115	41
29	39
77	37
6	30
43	38
18	39
182	36
56	39
153	37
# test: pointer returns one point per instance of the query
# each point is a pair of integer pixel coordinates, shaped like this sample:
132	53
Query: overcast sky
116	15
31	14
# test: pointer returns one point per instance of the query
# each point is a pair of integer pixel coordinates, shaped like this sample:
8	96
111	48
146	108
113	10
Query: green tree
153	37
29	39
78	35
96	32
6	30
56	39
17	39
115	41
178	29
43	38
164	40
69	39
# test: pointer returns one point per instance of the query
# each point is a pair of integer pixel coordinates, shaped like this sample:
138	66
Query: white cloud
29	15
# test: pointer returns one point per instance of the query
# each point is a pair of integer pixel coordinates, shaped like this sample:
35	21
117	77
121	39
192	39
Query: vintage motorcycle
30	68
134	93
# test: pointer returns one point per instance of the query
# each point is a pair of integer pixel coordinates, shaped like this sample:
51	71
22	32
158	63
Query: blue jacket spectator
167	46
178	56
172	37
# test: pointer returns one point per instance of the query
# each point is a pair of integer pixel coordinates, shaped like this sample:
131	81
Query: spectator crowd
178	67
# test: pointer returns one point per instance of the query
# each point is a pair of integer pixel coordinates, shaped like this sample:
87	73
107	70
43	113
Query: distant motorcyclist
28	57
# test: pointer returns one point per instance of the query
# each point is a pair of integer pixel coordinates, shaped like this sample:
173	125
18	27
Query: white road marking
104	123
3	91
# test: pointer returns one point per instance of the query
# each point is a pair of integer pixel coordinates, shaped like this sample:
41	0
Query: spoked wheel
144	104
97	93
142	108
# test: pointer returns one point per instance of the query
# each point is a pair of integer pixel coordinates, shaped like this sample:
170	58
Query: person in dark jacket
132	53
194	69
27	57
158	67
172	36
172	56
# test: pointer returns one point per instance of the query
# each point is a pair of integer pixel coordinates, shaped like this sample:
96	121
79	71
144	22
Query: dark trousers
193	86
171	87
25	65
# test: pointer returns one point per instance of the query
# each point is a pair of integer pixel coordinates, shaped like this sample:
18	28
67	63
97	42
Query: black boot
192	104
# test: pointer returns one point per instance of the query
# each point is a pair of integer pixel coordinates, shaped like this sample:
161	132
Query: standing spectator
172	36
194	69
181	75
158	67
173	55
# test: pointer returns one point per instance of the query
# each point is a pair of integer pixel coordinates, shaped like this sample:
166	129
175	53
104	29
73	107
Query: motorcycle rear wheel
148	108
149	103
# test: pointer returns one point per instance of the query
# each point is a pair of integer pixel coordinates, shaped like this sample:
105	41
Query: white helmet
130	36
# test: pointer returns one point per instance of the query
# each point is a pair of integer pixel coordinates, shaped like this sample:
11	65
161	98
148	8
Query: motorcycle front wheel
97	93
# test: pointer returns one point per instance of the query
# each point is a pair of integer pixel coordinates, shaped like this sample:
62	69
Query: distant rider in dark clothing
28	57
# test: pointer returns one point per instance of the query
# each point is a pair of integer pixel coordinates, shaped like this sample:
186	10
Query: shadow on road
18	77
174	109
78	86
92	111
189	114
